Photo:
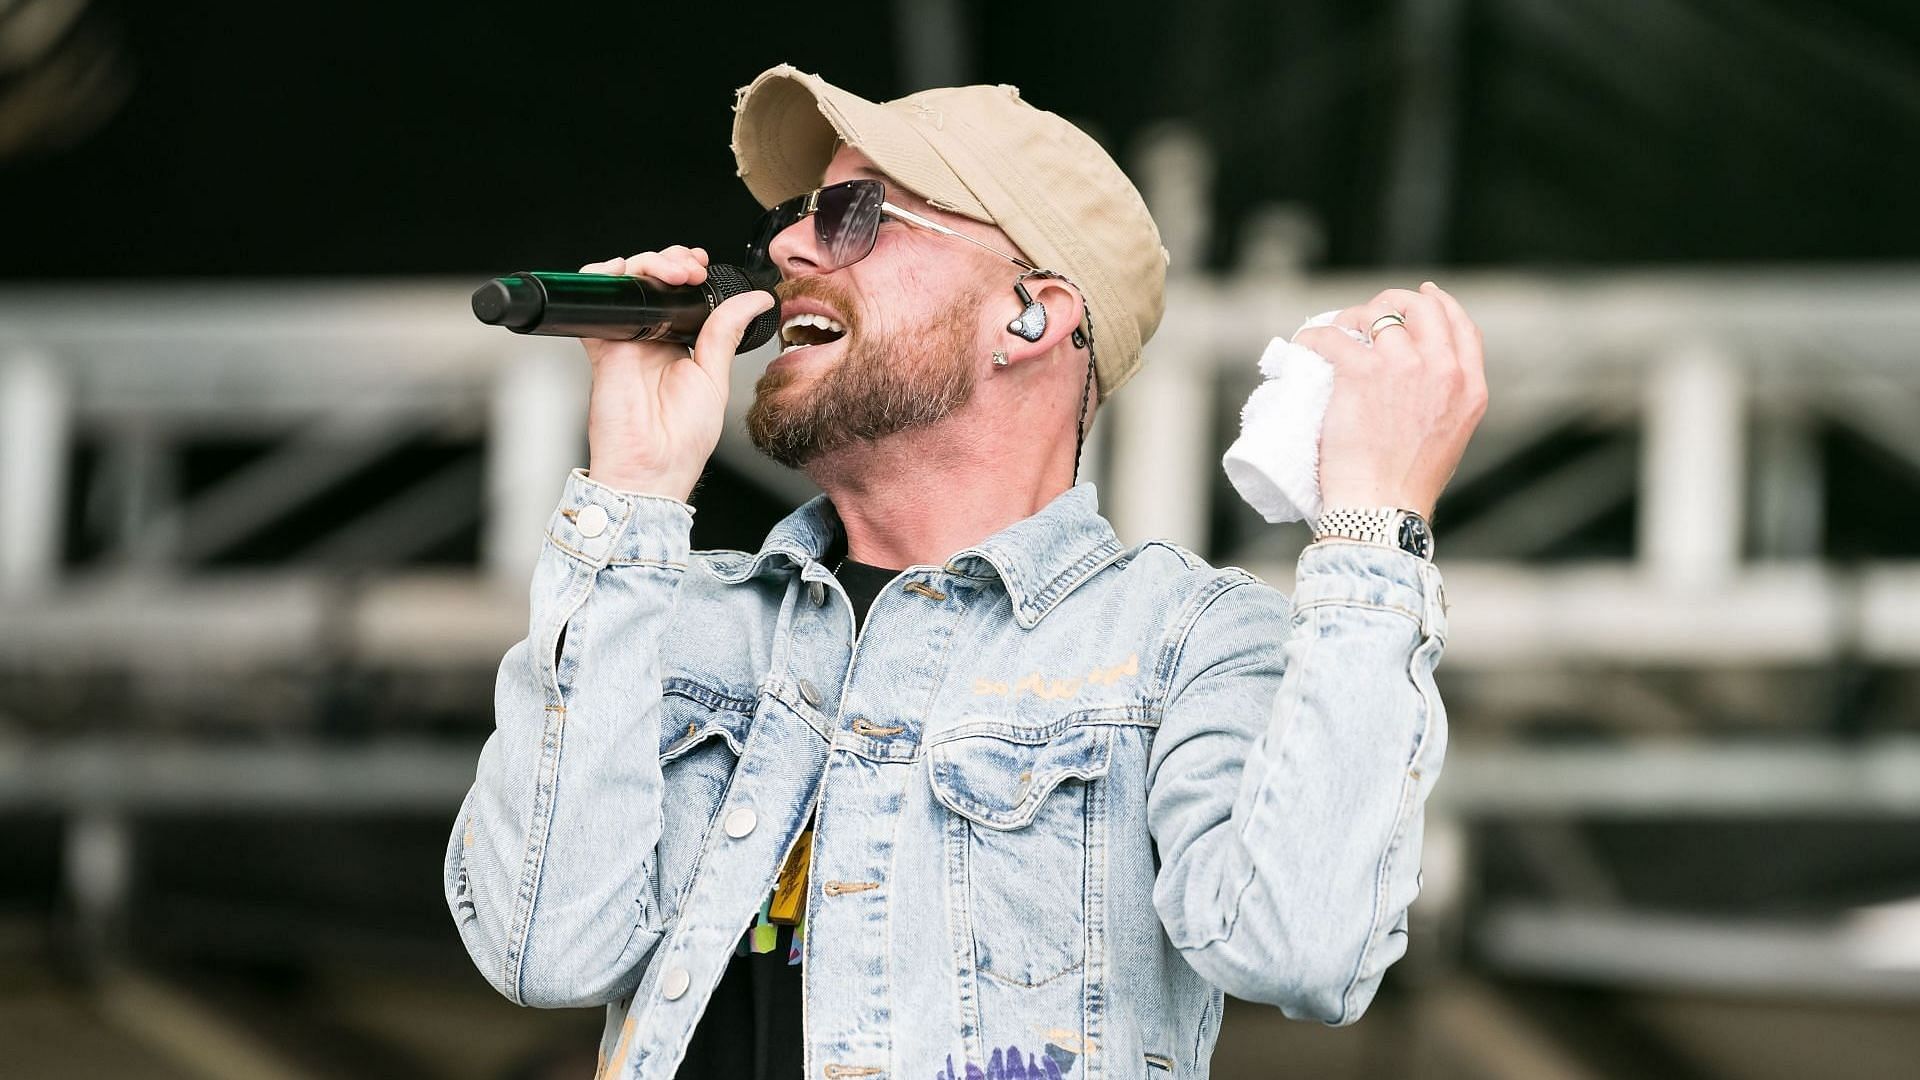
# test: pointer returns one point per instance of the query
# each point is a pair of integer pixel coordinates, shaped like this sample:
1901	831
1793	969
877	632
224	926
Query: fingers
1361	317
1466	334
1468	346
1333	343
1436	334
1427	322
1391	341
677	265
720	338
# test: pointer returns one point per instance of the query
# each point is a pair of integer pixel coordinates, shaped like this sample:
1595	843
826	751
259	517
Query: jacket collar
1042	558
1039	559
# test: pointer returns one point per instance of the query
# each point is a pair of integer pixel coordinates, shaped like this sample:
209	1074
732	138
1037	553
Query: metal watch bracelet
1385	526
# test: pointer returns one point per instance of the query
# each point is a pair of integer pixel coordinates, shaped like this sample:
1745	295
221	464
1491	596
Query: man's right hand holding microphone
656	410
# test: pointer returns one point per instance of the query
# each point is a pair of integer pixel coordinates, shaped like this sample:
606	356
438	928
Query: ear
1062	306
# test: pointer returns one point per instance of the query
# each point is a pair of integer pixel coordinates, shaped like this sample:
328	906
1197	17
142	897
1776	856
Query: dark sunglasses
846	224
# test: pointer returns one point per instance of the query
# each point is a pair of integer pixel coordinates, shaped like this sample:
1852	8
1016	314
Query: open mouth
804	331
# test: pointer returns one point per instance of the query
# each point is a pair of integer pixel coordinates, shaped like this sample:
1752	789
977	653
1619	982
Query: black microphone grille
728	281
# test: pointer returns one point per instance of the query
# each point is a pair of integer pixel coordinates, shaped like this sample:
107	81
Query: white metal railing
1695	356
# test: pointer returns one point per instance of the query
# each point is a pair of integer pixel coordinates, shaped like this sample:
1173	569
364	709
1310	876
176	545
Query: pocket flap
998	778
691	713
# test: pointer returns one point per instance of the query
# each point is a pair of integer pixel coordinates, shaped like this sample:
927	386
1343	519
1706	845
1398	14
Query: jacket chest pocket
1024	823
701	735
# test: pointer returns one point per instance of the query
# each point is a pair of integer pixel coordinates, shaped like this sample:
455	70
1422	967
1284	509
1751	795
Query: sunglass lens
848	221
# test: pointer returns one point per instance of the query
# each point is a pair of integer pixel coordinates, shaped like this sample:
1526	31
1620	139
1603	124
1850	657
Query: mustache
834	295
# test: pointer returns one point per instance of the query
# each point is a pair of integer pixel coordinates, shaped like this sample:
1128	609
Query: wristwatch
1388	526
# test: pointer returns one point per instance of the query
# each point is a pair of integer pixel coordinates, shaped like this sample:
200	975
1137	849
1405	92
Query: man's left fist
1403	408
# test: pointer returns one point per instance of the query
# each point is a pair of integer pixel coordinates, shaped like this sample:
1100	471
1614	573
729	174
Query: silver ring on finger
1391	318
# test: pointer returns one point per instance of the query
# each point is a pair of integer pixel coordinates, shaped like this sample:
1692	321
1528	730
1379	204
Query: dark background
475	138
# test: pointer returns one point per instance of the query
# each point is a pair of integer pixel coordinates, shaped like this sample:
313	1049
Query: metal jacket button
810	693
741	822
816	593
592	520
675	984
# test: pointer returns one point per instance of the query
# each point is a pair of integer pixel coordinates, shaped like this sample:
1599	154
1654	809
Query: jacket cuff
599	525
1372	575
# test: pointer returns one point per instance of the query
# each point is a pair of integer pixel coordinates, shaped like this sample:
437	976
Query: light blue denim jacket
1068	792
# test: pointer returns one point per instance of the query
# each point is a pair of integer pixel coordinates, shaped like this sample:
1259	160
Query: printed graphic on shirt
790	888
1053	689
764	936
1010	1064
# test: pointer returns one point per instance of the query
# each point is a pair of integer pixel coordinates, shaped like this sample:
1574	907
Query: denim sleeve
549	871
1296	750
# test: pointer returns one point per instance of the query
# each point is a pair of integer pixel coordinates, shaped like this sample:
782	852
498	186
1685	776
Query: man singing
944	781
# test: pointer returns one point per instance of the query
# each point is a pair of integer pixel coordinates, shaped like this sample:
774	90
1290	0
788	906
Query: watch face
1414	537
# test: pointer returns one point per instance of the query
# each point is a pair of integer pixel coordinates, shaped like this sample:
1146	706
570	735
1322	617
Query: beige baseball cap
981	152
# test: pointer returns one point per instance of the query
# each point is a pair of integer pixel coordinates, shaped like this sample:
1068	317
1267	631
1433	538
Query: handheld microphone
616	308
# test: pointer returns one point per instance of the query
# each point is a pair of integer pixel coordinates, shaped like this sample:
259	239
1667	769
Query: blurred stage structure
1657	669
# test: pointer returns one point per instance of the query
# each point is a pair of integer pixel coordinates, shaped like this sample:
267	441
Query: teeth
813	321
818	322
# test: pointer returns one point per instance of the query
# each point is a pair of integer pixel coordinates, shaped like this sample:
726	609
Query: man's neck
915	499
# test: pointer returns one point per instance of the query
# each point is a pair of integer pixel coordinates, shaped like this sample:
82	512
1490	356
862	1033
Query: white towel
1275	463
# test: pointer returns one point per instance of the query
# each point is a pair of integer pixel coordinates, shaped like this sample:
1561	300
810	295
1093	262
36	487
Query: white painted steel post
1159	432
99	861
35	420
1161	436
535	433
1692	468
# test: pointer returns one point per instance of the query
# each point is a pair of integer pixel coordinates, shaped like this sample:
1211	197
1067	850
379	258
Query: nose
796	250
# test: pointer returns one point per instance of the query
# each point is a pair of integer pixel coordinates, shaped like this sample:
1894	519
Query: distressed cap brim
788	122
